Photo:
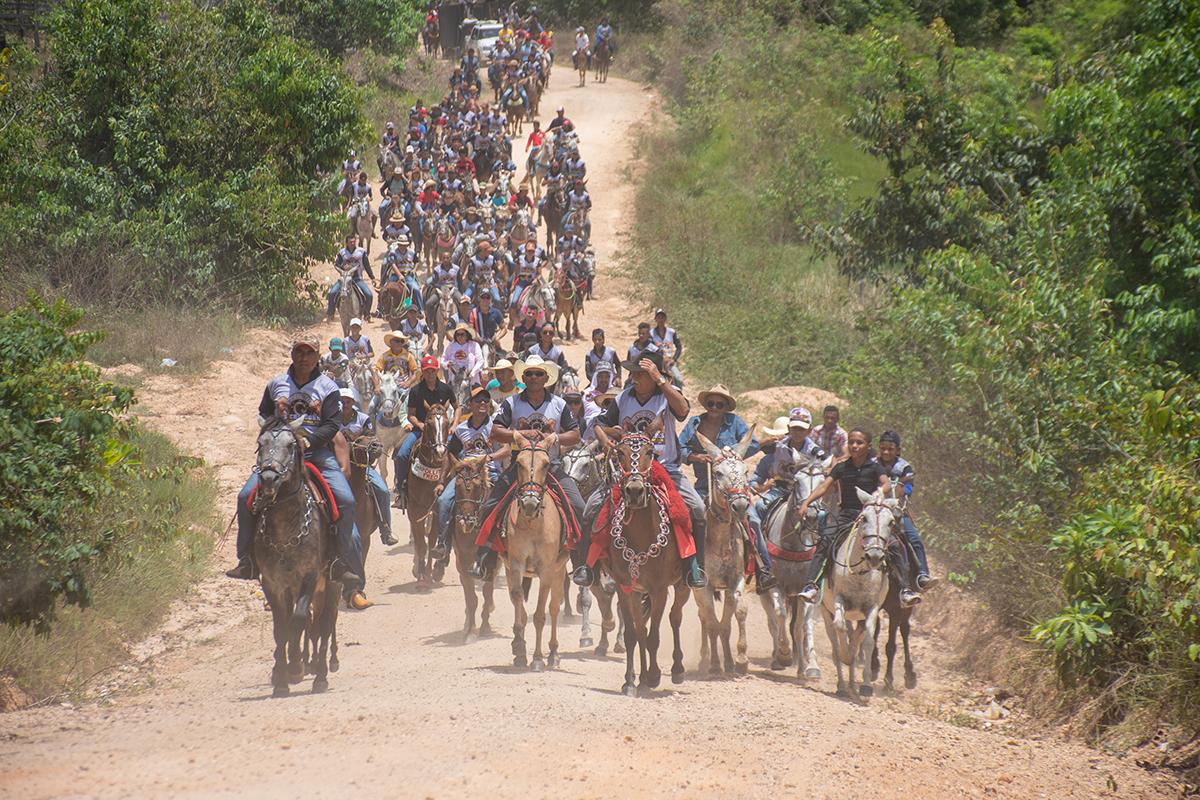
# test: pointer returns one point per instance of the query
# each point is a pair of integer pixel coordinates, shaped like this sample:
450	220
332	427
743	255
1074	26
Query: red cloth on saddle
677	513
571	528
319	486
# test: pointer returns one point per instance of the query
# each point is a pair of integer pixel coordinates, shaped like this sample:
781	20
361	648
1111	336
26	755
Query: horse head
635	458
730	487
582	466
395	400
874	525
435	433
472	486
280	452
533	466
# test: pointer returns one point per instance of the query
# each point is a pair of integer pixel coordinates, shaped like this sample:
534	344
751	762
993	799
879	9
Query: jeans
515	297
445	502
570	489
348	544
402	458
414	291
493	290
362	287
917	544
756	517
383	500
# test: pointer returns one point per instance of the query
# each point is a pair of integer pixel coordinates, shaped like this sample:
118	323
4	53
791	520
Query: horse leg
472	603
280	618
832	631
809	641
297	626
520	617
556	595
889	648
658	605
742	662
584	604
705	609
910	672
566	606
489	605
322	625
676	620
539	623
607	623
624	608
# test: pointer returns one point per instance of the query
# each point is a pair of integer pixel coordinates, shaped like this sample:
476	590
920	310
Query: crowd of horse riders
503	450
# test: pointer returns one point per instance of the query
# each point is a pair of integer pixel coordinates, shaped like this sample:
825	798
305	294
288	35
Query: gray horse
292	551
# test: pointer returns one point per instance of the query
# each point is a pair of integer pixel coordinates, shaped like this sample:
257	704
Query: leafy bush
340	26
172	151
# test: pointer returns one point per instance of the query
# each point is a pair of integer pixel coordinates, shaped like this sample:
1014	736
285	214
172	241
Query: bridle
466	509
287	474
531	489
723	512
880	534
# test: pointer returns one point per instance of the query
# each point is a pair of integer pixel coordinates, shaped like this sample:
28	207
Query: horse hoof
320	686
910	681
295	677
537	666
677	677
586	641
281	691
334	665
812	673
866	690
777	665
485	629
618	648
741	668
629	690
439	571
653	680
553	661
520	661
601	650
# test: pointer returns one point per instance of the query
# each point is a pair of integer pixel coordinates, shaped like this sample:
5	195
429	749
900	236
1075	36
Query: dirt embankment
416	712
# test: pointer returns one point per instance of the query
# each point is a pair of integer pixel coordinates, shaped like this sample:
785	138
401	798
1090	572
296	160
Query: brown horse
568	302
431	36
293	551
428	475
534	548
601	60
394	299
364	449
472	486
645	557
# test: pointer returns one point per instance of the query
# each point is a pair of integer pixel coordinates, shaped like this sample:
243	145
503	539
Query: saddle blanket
677	514
490	531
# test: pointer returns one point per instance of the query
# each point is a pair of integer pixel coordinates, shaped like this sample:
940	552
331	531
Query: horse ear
709	448
863	496
743	444
296	423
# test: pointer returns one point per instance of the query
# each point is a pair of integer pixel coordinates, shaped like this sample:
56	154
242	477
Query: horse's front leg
806	644
539	624
742	662
520	616
489	605
658	606
676	620
281	618
556	595
624	609
832	632
706	610
584	604
472	603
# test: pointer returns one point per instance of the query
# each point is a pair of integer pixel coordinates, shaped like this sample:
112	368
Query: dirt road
415	713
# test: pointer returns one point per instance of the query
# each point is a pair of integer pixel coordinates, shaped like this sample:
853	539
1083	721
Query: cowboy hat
780	427
719	391
537	362
462	328
603	397
653	356
503	363
397	336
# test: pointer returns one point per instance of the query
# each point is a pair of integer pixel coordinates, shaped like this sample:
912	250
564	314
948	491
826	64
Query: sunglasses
575	402
534	373
715	404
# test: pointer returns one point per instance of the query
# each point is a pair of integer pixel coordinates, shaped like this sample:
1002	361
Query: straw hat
536	362
720	390
396	336
780	428
463	328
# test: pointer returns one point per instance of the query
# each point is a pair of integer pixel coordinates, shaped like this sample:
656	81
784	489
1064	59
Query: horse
394	299
444	239
514	113
899	617
538	167
793	543
534	548
362	373
293	551
391	418
431	37
551	213
429	462
495	76
646	559
472	486
362	221
854	591
460	384
438	310
521	229
387	161
568	302
601	60
581	59
364	450
725	554
349	303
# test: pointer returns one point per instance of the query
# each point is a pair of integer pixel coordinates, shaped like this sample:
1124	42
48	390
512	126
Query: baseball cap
336	345
346	393
430	362
356	321
307	340
799	418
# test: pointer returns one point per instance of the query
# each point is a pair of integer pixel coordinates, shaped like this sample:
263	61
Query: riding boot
485	562
763	579
386	537
817	569
693	574
441	549
243	571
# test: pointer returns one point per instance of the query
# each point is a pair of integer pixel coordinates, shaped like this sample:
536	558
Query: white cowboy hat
537	362
503	363
720	390
779	429
391	336
356	321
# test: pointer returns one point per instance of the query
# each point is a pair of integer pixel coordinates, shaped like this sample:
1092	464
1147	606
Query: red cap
430	362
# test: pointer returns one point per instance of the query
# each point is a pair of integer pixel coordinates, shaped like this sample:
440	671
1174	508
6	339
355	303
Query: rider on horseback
901	472
669	343
857	472
304	393
463	355
352	259
649	395
601	353
399	359
430	391
355	423
604	34
336	363
545	348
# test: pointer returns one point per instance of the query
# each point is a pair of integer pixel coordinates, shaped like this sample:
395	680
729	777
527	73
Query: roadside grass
162	525
192	337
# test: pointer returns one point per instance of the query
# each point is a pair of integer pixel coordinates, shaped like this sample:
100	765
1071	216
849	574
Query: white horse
539	166
391	419
349	303
362	220
856	586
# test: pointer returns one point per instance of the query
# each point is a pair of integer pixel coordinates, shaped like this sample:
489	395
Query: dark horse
293	550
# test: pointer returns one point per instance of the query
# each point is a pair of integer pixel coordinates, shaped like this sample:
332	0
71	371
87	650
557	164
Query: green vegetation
1016	291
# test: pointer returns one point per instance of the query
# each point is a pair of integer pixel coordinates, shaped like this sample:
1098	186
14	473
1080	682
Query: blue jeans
756	512
918	545
402	458
445	501
383	500
362	287
515	297
493	291
349	547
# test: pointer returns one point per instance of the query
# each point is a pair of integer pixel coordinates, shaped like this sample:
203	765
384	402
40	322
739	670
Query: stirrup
809	593
582	576
695	577
764	582
926	582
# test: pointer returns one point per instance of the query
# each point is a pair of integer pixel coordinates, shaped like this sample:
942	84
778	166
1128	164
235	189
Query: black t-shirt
422	396
850	477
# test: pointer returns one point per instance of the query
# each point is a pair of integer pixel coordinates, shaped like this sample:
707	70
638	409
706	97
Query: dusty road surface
415	712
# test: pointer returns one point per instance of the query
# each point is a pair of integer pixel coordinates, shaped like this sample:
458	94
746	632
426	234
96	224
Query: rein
857	528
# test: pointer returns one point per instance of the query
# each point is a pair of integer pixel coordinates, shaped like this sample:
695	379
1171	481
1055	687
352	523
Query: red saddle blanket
572	532
774	550
677	513
319	487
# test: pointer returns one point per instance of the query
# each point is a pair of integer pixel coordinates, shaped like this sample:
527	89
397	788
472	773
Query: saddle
775	549
491	533
322	494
